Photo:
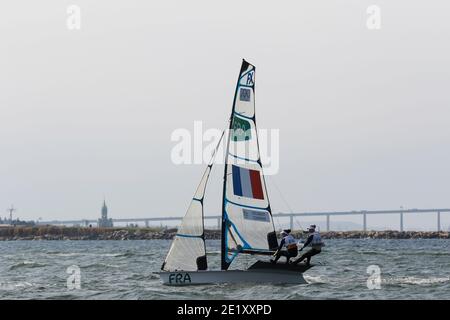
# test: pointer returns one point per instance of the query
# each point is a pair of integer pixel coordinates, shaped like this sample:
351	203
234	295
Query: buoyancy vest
316	242
290	242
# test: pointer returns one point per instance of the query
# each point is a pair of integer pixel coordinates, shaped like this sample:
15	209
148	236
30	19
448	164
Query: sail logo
244	94
197	146
179	278
250	80
254	215
241	129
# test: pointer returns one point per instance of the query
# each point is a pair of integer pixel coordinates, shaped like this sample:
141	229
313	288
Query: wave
416	280
68	254
373	253
100	265
137	276
426	253
8	286
26	264
75	254
115	255
316	279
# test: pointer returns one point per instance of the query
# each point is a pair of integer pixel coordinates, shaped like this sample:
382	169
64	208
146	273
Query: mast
224	263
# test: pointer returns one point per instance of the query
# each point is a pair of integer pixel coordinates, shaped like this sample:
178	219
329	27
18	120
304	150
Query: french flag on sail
247	183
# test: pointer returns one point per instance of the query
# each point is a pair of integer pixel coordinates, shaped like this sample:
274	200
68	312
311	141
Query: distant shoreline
81	233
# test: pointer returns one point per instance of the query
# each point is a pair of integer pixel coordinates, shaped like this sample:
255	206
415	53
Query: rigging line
281	195
211	163
210	166
285	202
213	156
280	227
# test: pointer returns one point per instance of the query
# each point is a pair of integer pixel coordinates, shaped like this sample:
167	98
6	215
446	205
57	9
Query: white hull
179	278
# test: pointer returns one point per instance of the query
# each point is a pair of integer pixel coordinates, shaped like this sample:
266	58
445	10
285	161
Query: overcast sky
364	115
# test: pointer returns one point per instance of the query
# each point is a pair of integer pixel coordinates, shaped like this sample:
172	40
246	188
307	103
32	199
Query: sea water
346	269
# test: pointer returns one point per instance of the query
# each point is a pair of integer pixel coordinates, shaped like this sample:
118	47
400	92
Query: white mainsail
247	223
187	251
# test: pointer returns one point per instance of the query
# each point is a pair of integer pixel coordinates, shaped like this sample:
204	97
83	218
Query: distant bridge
290	216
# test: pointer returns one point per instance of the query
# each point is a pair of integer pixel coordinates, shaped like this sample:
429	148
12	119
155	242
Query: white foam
315	279
417	280
9	286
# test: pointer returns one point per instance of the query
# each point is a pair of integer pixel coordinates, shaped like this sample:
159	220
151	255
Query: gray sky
363	114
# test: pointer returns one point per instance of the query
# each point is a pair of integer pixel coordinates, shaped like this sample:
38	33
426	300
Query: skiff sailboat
247	223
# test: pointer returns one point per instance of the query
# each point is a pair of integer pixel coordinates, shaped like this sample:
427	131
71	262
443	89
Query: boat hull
262	273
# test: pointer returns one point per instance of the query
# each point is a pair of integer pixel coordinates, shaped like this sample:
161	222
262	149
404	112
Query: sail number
179	278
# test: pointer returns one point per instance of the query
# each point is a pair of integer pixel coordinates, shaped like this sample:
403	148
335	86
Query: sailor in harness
315	241
289	242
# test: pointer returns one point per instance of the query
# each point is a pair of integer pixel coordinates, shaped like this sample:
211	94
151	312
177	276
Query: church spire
104	221
104	210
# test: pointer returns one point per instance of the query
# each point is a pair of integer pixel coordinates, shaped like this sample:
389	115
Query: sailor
314	240
289	242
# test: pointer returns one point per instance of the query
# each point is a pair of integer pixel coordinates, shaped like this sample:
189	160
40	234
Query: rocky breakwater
387	234
82	233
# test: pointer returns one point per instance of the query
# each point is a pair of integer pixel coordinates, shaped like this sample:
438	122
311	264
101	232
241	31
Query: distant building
104	222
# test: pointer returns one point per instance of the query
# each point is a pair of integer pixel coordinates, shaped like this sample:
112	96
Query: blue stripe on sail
245	206
187	235
245	73
242	158
196	199
227	257
241	115
246	183
245	243
237	187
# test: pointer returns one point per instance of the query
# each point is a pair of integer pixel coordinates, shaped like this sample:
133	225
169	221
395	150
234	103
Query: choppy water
410	269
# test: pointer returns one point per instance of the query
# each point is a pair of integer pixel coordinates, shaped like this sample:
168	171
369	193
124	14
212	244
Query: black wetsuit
289	253
310	253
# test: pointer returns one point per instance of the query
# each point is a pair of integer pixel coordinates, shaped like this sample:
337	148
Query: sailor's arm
281	244
308	241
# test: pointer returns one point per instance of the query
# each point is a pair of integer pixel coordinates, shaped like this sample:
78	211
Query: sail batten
247	223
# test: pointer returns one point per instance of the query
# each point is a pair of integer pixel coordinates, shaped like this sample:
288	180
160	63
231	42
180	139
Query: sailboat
247	223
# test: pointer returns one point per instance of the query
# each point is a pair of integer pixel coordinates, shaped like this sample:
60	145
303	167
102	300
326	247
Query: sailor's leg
278	255
302	257
288	257
308	255
291	254
311	253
